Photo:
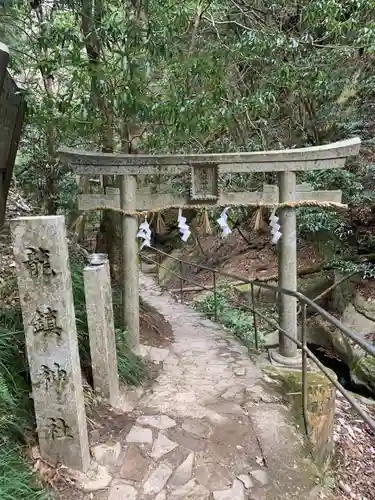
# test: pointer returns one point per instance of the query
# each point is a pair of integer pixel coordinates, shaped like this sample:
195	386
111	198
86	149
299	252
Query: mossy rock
310	286
169	266
364	372
321	396
342	295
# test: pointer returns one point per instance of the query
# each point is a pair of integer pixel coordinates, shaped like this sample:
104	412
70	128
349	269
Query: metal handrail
305	302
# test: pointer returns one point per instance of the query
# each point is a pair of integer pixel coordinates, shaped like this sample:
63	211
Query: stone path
208	428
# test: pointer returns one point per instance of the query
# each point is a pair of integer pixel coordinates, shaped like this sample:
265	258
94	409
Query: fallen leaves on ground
354	461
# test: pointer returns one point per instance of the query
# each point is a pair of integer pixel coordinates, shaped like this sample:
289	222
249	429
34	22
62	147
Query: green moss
290	387
243	288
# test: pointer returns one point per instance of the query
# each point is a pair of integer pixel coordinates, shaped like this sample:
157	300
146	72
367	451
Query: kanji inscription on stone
57	428
38	262
45	322
204	182
46	298
55	376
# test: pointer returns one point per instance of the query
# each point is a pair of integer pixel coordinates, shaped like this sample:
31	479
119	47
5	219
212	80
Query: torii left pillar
130	277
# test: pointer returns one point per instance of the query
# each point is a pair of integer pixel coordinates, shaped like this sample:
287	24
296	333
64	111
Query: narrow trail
208	428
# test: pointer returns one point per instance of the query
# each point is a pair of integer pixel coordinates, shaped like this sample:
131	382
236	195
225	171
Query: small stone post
45	287
130	281
98	295
287	265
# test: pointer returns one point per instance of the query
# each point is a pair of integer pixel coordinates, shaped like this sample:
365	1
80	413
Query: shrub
236	320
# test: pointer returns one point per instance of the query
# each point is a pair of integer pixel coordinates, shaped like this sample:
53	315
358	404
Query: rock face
311	287
358	314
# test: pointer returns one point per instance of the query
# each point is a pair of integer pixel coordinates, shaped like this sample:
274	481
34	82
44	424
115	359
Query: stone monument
45	287
98	293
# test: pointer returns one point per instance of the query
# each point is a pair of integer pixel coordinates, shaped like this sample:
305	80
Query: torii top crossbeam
312	158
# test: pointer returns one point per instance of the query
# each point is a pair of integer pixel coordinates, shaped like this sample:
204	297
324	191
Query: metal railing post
181	280
158	260
304	371
215	294
254	316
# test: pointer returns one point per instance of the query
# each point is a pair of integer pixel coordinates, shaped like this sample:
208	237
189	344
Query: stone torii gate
204	172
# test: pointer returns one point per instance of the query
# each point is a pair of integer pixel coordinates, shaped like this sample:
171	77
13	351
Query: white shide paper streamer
144	233
275	228
183	227
223	222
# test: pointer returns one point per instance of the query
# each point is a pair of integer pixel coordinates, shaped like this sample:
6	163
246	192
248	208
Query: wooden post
4	58
11	120
130	284
287	265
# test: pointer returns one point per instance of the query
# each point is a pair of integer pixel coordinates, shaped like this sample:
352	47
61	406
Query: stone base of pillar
277	359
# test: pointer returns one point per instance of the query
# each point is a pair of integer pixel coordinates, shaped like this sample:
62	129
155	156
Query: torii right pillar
287	266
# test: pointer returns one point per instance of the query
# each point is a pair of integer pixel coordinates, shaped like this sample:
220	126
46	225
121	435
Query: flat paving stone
123	492
195	427
139	435
157	354
213	476
237	492
162	445
183	472
246	480
207	323
160	422
135	464
228	408
240	371
191	491
235	393
188	441
261	476
97	478
157	480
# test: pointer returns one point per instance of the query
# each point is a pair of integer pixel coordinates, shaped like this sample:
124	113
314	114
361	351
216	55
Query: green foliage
16	479
16	412
366	269
344	180
202	76
236	320
15	404
130	366
314	220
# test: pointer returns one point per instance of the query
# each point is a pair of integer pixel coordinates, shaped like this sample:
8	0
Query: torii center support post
130	281
287	265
